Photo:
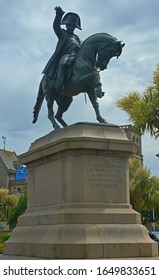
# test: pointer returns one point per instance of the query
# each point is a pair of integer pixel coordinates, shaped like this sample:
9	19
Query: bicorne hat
72	18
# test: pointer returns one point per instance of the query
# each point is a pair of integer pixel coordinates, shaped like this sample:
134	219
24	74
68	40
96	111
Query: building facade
136	137
9	166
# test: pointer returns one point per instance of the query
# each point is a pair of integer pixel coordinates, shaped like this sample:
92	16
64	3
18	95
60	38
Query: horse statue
83	76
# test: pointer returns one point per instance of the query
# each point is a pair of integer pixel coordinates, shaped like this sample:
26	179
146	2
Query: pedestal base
76	233
78	205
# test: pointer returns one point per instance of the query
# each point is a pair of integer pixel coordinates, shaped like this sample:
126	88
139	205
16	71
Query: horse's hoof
104	121
56	126
101	120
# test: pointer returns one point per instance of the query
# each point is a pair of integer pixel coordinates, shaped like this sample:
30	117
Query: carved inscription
104	173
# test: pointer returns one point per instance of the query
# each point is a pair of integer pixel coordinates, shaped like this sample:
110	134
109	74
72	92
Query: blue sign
21	173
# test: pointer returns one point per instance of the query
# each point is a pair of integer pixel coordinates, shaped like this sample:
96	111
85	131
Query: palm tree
143	109
144	188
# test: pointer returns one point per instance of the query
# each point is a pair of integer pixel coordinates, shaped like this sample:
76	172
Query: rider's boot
60	77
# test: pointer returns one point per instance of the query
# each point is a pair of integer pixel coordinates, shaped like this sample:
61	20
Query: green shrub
1	248
4	237
18	210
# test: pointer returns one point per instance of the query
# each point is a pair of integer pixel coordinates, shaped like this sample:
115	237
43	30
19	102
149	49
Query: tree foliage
143	109
7	203
144	188
18	210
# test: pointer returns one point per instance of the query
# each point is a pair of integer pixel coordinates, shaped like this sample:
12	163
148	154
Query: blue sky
27	41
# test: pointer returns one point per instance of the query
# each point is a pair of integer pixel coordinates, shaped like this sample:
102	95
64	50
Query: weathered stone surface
79	203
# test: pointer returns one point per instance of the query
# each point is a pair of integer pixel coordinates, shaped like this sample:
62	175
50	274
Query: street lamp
4	141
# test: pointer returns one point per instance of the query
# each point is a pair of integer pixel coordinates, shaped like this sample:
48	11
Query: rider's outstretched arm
56	24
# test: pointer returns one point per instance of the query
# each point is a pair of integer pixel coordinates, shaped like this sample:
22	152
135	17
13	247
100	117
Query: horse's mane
99	36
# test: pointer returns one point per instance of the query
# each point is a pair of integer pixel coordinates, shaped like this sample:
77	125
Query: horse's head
106	53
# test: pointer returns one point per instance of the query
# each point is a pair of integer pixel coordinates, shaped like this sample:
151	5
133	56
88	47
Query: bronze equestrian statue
74	68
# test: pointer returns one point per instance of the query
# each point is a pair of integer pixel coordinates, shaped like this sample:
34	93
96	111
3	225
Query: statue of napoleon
67	46
74	68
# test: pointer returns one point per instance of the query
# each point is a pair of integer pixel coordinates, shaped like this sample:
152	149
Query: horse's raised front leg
95	104
50	103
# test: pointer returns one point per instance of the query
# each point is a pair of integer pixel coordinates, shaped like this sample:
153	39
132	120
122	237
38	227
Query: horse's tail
38	104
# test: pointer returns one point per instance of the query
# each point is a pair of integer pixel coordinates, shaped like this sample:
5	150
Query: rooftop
9	159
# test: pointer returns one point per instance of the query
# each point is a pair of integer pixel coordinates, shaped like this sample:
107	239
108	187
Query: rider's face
70	28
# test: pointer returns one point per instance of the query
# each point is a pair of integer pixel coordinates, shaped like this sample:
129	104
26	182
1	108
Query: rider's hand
58	10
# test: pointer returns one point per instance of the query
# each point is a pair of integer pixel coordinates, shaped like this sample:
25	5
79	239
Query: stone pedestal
78	205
